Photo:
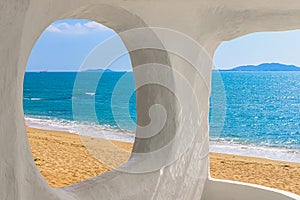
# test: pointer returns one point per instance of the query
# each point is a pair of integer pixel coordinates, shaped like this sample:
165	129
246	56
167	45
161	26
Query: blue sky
256	48
64	45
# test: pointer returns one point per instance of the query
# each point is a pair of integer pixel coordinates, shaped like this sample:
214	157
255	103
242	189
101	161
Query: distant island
266	67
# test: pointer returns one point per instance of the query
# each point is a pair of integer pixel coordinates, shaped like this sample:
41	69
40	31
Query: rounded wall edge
216	189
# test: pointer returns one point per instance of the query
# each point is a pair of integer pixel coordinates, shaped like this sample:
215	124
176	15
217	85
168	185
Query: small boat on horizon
43	71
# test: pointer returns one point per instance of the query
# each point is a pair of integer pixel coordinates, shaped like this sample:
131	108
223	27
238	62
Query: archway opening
57	137
257	139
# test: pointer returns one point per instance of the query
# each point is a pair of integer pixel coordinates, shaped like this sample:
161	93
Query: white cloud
95	25
76	29
52	28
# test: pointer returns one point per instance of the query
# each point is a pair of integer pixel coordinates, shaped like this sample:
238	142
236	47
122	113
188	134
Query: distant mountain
266	67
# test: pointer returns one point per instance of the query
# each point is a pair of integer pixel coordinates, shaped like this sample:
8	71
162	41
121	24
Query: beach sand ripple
63	159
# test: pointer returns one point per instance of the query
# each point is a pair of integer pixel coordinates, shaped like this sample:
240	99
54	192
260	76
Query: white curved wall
218	189
205	21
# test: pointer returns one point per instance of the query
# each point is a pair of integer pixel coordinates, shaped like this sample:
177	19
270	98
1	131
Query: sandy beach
63	159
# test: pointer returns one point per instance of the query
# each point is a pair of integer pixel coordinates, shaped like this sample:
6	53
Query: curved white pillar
208	22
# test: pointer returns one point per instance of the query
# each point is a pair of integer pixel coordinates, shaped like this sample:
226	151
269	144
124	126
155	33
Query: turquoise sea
262	110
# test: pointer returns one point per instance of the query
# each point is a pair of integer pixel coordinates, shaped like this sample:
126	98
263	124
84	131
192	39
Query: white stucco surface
150	173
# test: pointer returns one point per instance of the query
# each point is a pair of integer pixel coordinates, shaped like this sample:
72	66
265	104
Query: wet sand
63	160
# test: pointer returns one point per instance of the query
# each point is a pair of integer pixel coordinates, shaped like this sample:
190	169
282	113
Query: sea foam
81	128
113	133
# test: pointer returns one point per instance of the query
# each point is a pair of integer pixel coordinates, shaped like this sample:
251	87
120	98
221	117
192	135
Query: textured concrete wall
165	165
216	189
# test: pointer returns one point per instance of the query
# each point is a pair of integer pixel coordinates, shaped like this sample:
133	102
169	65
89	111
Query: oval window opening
257	140
60	139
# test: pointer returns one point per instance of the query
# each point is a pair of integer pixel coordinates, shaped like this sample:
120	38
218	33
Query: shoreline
217	145
271	153
63	160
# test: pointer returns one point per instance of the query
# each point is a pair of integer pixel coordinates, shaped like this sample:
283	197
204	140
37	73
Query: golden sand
64	160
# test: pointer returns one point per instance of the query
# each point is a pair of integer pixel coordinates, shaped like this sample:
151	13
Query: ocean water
251	113
48	102
262	114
